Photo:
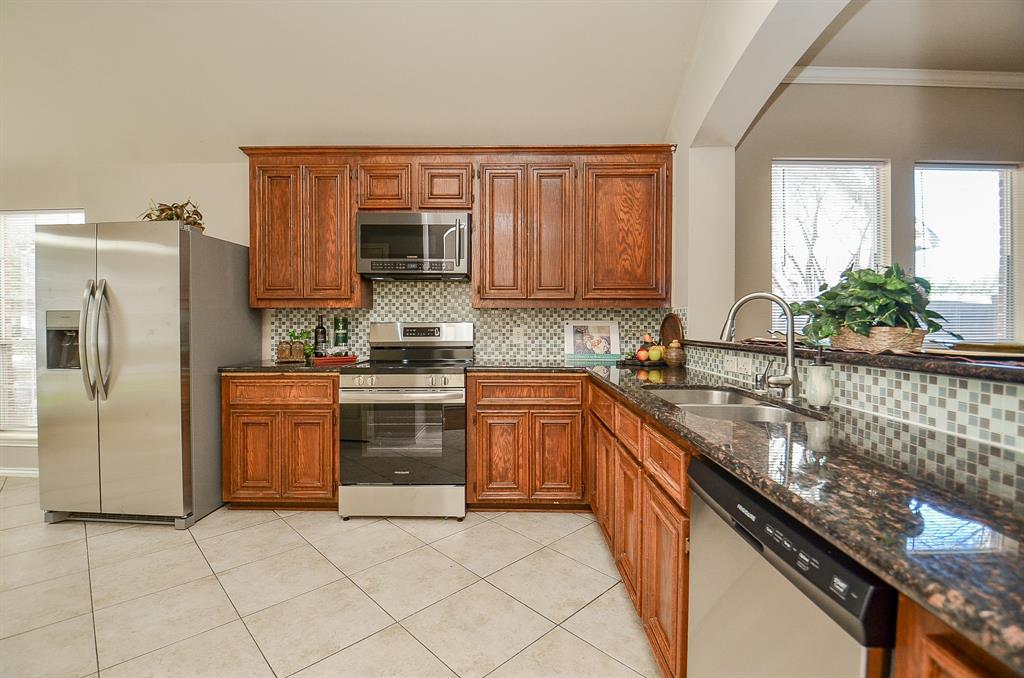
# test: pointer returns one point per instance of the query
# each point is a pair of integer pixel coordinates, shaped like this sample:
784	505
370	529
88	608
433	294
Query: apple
654	353
641	375
642	354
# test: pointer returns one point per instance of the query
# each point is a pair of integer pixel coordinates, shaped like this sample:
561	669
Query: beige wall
121	192
899	124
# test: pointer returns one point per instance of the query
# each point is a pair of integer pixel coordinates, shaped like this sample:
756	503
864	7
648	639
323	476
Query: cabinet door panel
327	233
625	232
604	462
252	465
626	512
502	455
308	459
502	232
276	265
552	232
445	185
385	186
557	456
664	577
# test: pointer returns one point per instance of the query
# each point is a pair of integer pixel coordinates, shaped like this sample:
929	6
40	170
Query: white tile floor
261	593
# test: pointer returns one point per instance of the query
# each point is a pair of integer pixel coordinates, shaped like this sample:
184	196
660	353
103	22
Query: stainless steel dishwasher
769	598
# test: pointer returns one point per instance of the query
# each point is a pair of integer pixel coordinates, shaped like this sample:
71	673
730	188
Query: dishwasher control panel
861	602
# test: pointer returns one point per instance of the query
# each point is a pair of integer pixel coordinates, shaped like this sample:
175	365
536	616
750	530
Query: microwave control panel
439	266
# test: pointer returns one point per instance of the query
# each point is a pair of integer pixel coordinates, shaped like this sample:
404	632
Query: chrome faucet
787	381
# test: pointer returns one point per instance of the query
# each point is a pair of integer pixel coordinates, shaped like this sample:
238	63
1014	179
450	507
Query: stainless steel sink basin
768	413
703	396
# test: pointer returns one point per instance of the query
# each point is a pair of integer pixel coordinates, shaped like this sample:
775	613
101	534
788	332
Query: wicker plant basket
881	339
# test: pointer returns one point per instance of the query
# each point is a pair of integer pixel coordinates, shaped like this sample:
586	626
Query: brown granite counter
848	479
271	366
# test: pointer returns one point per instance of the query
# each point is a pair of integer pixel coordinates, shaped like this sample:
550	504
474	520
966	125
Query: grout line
640	674
233	530
233	607
166	588
164	647
92	606
43	581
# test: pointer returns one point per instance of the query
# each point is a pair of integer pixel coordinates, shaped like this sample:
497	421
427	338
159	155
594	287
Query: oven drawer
529	391
281	390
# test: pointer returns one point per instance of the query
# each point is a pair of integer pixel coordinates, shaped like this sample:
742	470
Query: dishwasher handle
747	536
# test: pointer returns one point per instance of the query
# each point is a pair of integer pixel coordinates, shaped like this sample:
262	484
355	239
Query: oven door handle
392	396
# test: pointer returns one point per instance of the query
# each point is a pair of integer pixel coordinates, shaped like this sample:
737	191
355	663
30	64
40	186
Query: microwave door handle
461	240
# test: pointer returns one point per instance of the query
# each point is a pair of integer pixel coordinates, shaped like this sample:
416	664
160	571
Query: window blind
18	313
827	215
964	246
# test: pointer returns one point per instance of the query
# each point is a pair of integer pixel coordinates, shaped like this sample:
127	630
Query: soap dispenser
818	389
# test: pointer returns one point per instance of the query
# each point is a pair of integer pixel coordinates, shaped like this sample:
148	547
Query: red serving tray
329	360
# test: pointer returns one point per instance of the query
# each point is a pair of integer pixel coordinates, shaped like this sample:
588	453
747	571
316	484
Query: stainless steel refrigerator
133	320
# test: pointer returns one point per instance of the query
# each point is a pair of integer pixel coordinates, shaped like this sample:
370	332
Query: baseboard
20	472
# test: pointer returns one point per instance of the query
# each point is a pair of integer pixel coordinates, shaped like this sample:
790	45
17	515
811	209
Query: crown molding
906	77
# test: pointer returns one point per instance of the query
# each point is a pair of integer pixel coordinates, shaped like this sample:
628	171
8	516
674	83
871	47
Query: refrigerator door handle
102	367
83	344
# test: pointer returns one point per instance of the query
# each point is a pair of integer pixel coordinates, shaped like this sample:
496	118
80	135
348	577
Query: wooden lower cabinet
502	462
664	576
626	509
603	458
928	648
525	437
275	449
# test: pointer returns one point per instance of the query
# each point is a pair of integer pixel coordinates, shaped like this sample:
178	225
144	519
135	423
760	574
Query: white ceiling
968	35
98	81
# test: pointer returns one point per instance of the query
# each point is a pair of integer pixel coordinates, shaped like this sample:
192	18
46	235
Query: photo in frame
592	339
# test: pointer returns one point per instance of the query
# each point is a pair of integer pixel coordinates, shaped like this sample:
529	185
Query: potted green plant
871	311
186	212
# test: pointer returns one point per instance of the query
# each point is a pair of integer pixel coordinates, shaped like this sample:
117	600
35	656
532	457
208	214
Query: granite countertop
974	368
271	366
958	558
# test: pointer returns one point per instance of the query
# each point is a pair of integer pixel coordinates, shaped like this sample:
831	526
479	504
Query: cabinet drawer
602	405
666	463
627	429
529	391
279	390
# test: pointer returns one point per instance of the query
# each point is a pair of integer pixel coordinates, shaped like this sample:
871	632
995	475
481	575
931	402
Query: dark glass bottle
320	337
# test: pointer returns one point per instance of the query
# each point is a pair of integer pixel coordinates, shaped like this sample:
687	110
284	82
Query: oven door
403	437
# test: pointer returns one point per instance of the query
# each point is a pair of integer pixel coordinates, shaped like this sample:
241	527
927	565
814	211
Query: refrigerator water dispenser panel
62	340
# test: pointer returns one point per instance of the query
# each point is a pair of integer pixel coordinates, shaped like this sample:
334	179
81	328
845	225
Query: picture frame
592	339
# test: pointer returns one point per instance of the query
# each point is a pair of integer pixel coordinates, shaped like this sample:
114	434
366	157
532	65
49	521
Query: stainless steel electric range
403	422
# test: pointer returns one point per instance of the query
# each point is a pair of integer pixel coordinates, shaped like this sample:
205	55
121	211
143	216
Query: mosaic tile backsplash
974	429
451	301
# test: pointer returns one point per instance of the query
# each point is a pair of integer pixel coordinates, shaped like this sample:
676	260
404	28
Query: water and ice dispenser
62	340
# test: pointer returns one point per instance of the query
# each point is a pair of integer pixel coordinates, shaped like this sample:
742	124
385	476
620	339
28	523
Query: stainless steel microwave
412	245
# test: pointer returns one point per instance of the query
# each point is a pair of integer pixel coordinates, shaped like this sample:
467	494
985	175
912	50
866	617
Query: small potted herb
871	311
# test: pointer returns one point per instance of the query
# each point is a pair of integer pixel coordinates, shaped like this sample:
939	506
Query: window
964	246
826	217
18	313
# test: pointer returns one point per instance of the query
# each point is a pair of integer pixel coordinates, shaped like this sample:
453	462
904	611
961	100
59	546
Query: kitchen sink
703	396
767	413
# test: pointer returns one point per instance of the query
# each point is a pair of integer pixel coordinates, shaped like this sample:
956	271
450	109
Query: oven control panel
421	331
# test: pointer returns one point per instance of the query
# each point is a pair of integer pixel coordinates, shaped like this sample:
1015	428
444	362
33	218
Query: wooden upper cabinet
327	234
385	186
556	464
502	232
445	186
275	265
626	242
551	236
502	455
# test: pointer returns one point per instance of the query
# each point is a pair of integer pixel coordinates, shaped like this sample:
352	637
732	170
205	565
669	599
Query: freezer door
68	447
139	357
